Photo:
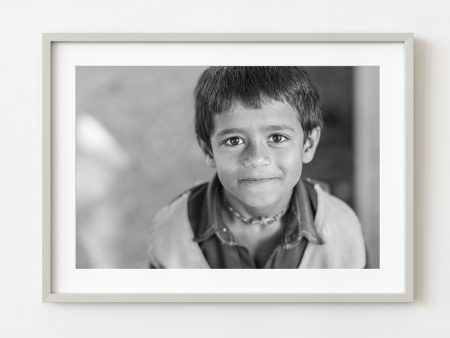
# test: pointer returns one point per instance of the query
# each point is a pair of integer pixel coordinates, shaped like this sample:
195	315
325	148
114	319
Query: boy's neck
253	212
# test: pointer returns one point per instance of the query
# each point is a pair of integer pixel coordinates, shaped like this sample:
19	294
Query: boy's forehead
273	112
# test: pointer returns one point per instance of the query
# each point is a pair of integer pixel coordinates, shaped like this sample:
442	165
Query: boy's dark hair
220	87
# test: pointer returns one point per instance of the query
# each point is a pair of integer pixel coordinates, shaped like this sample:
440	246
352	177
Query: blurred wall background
136	150
367	157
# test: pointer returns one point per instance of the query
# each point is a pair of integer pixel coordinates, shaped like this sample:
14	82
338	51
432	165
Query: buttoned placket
299	220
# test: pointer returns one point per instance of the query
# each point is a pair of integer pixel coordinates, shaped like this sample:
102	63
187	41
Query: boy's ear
208	153
310	145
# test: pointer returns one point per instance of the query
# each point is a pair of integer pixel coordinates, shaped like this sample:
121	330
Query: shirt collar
299	218
300	222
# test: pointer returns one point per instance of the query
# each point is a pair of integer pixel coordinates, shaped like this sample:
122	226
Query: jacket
172	245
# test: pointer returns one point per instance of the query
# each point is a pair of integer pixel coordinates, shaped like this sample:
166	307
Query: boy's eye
276	138
234	141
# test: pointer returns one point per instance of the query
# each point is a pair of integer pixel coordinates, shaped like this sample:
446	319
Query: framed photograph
227	167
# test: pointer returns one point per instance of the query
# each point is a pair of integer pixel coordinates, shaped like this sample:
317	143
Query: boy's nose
256	157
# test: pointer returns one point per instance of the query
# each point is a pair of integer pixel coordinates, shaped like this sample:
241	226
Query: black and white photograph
227	167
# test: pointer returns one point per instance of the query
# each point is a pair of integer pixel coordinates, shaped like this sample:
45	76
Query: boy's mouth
257	180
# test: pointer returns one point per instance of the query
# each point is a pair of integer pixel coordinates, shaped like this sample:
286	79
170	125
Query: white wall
21	312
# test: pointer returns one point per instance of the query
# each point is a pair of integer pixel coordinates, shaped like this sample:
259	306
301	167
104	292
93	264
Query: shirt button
224	229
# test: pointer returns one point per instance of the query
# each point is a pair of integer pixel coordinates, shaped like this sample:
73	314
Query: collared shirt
205	207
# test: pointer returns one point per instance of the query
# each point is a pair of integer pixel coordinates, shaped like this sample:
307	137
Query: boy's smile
258	155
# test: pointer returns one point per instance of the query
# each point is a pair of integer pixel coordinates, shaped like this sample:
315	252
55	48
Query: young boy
256	127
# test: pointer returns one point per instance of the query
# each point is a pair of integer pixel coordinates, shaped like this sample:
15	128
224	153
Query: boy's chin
260	202
264	197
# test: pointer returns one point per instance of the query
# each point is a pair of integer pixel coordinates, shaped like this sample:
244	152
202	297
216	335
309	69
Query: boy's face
258	153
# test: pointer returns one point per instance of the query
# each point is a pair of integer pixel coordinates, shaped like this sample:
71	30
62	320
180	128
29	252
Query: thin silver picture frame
49	294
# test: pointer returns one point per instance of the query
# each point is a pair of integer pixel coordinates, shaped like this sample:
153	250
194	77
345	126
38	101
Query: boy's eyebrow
229	131
268	128
280	127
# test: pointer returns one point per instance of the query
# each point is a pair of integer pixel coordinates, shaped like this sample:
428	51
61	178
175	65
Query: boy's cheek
226	159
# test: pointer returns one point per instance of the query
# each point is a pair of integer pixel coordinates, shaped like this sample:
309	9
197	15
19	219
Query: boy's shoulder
179	203
171	232
334	212
341	231
330	206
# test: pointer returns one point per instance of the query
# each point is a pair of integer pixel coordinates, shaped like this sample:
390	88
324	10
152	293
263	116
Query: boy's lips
257	180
